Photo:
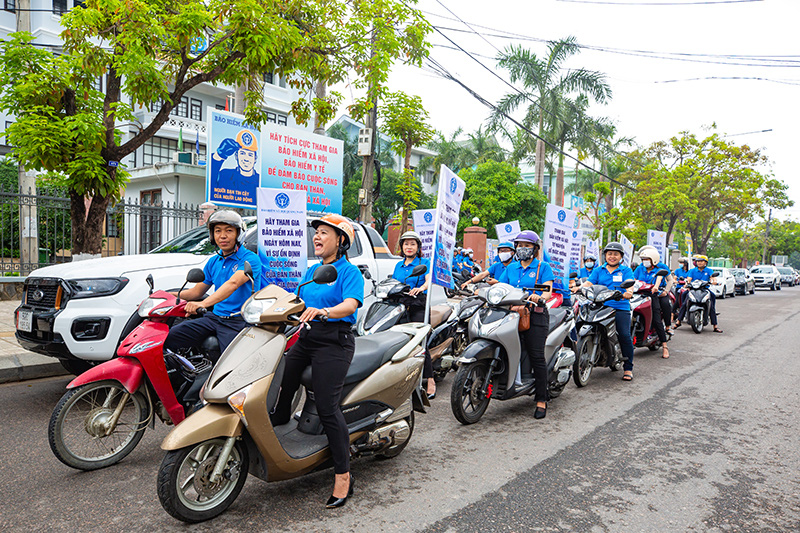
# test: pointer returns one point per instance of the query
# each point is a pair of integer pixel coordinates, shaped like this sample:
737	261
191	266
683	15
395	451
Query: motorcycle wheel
77	426
582	368
394	451
466	400
184	489
696	320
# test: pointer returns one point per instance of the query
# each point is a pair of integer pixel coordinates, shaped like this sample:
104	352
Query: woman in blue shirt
589	262
525	273
646	272
612	274
328	346
505	254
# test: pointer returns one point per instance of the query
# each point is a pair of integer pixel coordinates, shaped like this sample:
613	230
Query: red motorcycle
643	332
103	415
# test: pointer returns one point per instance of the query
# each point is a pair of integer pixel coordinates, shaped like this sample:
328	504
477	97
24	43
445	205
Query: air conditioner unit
187	158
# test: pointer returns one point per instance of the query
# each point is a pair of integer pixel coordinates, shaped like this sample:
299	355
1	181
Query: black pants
666	310
658	322
328	348
416	313
535	339
192	333
712	309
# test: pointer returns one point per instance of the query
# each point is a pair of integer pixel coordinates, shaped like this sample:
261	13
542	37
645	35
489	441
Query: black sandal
717	330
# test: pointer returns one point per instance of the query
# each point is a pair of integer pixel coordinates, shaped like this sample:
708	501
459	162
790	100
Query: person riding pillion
225	272
505	254
525	273
612	274
328	345
589	264
646	272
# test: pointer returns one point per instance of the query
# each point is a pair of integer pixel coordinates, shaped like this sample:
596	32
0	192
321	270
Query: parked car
787	276
796	276
80	312
767	276
745	283
726	283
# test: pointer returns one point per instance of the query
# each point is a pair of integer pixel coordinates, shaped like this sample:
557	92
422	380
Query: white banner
282	244
425	226
658	240
507	231
559	228
448	206
627	245
576	241
593	248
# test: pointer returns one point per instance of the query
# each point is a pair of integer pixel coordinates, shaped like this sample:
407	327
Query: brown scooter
211	452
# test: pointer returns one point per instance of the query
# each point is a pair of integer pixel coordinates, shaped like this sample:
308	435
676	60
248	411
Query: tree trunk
87	223
408	177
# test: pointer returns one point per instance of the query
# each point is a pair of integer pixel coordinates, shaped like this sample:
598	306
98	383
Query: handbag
524	310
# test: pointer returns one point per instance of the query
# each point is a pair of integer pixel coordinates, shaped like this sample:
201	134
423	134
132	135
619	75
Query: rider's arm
346	308
422	288
545	294
193	293
670	282
477	277
238	279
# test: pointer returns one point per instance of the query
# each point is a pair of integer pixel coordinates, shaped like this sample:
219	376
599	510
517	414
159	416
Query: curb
23	372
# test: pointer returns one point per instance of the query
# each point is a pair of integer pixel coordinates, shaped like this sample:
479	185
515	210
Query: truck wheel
74	366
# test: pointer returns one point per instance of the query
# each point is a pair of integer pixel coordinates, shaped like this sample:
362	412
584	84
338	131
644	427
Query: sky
654	98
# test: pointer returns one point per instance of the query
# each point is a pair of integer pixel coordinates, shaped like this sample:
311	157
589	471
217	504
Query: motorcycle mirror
365	271
573	275
663	272
150	282
418	271
195	275
627	283
715	274
248	271
325	274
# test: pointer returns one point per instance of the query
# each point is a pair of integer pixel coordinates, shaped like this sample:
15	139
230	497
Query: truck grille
44	293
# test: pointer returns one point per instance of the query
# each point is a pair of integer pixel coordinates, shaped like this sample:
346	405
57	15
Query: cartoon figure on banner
242	180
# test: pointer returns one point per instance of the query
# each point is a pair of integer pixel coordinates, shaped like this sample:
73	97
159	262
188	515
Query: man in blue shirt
612	274
225	272
505	254
701	272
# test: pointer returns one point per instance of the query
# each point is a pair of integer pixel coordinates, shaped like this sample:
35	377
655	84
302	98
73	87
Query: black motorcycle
699	304
598	344
448	340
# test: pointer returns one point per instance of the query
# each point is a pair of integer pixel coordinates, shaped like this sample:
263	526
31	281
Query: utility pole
28	212
365	194
766	238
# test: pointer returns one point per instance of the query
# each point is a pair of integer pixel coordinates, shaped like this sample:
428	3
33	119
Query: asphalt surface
703	441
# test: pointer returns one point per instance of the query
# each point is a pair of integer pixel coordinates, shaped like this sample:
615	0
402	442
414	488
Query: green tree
544	82
147	53
496	193
481	147
450	152
351	162
405	120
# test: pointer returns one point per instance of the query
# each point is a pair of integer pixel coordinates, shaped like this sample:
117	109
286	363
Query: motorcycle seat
372	351
556	317
440	313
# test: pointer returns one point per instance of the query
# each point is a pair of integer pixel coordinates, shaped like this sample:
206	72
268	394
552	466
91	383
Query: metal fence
36	229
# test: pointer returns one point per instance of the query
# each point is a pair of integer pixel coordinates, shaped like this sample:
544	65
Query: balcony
175	124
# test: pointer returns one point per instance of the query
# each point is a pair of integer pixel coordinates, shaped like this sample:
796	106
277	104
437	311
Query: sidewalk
16	363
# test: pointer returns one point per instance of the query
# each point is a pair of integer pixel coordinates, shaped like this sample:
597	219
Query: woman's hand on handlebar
311	313
415	291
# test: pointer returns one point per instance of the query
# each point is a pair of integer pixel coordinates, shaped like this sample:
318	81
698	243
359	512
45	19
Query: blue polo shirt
497	269
585	272
681	272
525	278
613	280
348	284
402	272
649	276
466	262
219	269
696	274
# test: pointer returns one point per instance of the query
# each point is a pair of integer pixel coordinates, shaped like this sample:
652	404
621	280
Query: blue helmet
505	244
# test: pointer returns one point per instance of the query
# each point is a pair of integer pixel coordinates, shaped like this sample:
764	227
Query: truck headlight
91	288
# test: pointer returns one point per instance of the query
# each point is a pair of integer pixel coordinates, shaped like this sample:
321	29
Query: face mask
647	264
505	256
523	254
589	264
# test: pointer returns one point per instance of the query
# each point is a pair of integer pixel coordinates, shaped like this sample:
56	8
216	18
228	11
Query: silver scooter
490	365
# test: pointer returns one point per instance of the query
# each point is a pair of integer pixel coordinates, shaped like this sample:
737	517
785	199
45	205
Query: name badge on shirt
617	278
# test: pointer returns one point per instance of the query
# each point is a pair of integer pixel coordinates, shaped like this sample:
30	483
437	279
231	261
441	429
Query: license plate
25	322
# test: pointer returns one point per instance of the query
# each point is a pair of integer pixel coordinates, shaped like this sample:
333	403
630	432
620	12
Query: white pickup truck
80	312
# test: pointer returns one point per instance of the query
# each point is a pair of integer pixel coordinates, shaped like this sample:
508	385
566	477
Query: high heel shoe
334	502
540	412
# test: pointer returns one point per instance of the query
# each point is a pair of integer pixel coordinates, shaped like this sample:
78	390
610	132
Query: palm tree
481	147
351	161
449	152
543	83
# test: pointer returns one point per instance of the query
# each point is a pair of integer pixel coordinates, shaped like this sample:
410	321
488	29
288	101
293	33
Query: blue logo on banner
428	217
453	186
282	200
574	234
562	216
508	228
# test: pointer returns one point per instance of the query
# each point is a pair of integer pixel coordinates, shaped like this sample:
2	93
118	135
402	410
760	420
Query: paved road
704	441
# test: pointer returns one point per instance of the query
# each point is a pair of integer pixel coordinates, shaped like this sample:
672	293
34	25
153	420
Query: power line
754	78
443	72
694	3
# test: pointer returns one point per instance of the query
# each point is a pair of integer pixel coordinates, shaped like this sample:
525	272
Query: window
150	220
8	123
158	149
78	3
273	79
182	108
272	117
59	7
282	120
112	230
10	5
220	107
196	109
98	84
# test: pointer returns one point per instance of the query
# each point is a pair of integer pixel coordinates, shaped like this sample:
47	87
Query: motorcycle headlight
91	288
383	288
253	309
496	294
604	295
146	306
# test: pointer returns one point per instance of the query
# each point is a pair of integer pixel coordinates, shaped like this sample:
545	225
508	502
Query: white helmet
651	254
